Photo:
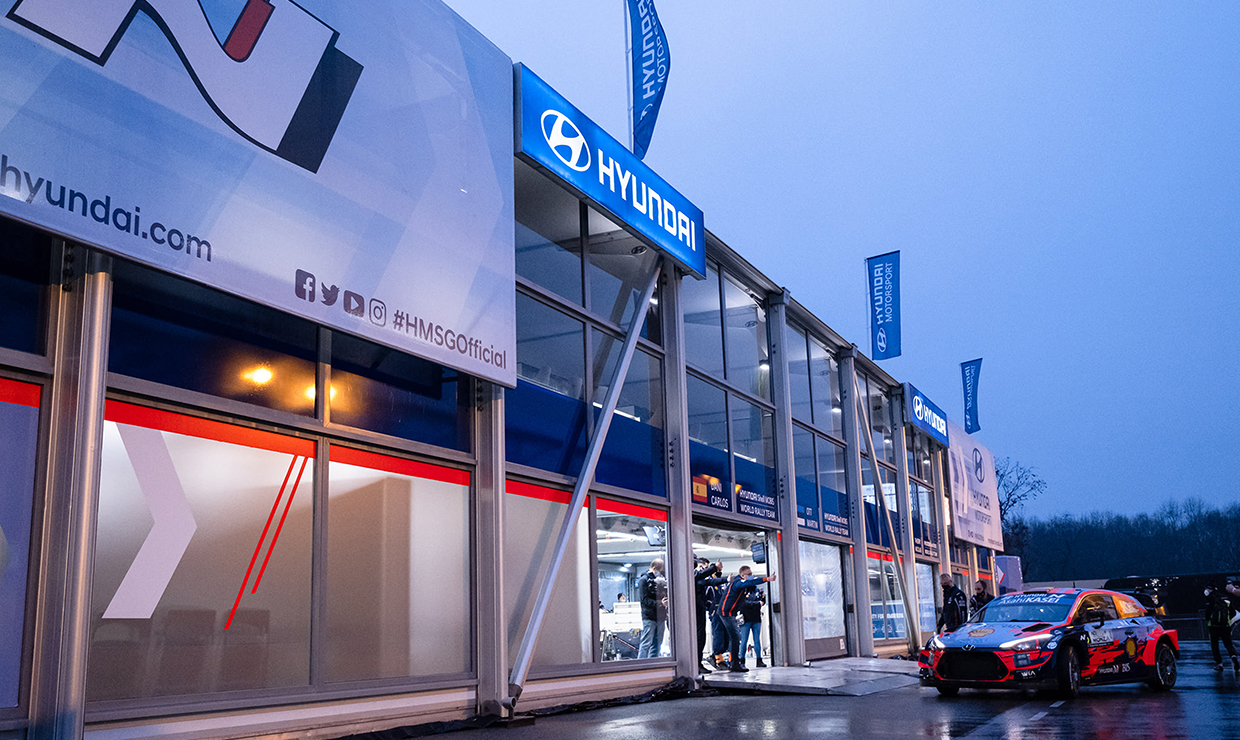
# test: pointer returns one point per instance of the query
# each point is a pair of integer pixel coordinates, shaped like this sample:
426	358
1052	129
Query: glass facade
19	434
25	267
822	592
398	568
634	618
203	557
886	605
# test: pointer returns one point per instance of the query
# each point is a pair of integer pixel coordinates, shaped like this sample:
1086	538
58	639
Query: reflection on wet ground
1204	706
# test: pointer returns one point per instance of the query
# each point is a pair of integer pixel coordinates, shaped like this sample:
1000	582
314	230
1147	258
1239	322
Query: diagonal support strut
525	654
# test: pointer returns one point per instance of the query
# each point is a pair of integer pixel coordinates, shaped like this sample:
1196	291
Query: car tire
1164	668
948	689
1068	670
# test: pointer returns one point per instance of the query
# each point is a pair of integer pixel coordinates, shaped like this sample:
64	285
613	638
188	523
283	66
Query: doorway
734	546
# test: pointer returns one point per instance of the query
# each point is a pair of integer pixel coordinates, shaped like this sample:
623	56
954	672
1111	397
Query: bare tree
1017	485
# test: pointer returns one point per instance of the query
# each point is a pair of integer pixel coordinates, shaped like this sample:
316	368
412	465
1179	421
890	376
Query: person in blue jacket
729	606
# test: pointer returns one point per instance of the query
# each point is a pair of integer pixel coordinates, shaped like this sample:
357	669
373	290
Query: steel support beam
489	621
81	307
863	630
789	547
680	485
585	479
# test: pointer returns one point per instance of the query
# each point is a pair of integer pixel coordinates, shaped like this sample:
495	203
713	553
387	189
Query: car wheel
1069	670
1163	678
948	690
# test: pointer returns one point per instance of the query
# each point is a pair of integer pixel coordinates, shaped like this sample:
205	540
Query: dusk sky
1062	181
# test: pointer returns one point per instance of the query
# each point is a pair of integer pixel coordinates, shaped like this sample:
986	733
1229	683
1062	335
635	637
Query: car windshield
1025	608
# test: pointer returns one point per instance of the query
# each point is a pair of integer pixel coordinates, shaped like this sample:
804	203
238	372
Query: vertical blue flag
883	278
970	371
651	61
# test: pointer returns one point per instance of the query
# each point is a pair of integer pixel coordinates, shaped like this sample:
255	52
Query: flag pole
628	66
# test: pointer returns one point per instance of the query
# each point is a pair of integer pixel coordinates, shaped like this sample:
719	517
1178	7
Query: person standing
955	605
751	613
981	596
730	605
1219	612
706	577
652	627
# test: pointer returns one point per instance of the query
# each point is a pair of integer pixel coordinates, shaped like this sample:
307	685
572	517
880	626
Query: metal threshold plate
842	677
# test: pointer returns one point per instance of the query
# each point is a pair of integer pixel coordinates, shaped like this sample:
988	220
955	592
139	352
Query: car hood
992	634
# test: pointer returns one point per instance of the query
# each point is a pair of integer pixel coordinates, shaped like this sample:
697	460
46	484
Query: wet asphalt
1205	705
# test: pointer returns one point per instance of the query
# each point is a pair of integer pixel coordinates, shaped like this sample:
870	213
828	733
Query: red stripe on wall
167	421
879	556
21	394
398	465
617	507
553	495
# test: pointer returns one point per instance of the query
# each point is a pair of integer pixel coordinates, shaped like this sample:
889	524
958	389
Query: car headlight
935	644
1026	644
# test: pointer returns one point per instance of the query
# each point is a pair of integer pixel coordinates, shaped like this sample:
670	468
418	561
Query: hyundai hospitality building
350	378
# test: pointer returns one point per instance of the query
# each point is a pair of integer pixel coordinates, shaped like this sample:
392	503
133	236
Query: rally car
1058	639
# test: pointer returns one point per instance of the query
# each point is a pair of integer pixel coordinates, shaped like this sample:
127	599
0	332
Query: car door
1096	615
1133	631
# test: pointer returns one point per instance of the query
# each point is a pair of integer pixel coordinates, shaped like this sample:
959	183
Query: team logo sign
566	140
277	80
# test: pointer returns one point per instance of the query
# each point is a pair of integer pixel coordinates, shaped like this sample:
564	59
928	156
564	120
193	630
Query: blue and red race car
1059	639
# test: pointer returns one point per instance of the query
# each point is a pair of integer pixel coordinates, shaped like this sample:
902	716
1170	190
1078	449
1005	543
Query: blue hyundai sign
969	373
883	279
553	134
923	414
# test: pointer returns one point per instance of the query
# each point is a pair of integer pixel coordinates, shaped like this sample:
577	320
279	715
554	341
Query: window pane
391	524
824	374
708	445
25	258
798	375
703	325
390	392
878	606
754	457
532	517
629	539
749	366
895	603
202	562
925	598
181	334
620	267
833	493
633	453
19	436
808	514
875	525
880	420
548	234
822	591
546	412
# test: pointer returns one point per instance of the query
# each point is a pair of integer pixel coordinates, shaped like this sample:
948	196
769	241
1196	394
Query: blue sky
1062	180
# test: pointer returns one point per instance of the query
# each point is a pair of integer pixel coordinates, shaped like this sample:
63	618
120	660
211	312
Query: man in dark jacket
1219	611
730	605
955	605
706	578
653	626
981	596
751	613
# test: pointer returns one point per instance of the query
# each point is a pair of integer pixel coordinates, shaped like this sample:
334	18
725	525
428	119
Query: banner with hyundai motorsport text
651	61
975	491
350	163
883	278
970	373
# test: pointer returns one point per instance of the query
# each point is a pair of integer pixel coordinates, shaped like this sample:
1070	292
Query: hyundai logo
979	466
968	647
917	407
566	140
882	340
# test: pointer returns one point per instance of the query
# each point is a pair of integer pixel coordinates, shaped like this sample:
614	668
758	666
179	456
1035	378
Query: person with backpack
1219	611
751	614
652	587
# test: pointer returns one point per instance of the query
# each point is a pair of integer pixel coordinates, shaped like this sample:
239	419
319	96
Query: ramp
841	677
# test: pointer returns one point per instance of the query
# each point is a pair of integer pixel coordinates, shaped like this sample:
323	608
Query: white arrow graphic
174	526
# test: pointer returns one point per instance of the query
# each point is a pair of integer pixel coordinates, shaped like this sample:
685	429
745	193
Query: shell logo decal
982	632
1131	647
